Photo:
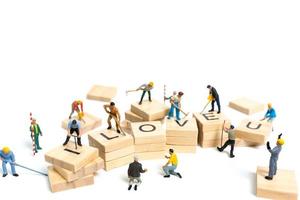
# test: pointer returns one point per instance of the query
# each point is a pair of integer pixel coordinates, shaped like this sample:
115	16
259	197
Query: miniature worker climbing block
253	131
70	158
150	111
102	93
149	140
210	127
116	149
282	187
246	106
182	135
90	122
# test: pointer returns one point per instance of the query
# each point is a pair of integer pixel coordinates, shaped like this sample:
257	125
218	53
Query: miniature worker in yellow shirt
171	165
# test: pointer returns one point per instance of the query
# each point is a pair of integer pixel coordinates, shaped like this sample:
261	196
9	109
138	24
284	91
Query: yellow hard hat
280	141
269	105
151	84
80	115
6	150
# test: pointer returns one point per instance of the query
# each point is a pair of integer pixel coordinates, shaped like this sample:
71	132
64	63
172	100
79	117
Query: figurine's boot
79	141
67	140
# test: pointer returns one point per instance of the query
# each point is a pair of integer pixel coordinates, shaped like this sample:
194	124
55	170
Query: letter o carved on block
147	128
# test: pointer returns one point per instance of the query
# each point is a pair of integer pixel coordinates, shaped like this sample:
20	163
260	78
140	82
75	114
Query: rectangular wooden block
109	140
89	169
254	131
150	111
139	148
118	162
246	106
151	155
108	156
130	116
148	132
58	183
191	141
91	122
102	93
182	148
182	128
283	186
71	159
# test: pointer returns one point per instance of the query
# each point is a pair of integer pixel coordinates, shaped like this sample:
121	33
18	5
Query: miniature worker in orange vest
78	107
113	112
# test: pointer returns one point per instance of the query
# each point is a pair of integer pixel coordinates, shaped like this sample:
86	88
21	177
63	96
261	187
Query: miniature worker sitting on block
230	141
78	107
274	157
175	101
7	156
35	133
214	98
73	126
113	112
134	173
171	165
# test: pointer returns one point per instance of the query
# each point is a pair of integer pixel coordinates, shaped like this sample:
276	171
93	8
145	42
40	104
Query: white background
52	52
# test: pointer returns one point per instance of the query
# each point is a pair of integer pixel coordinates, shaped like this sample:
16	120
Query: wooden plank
182	128
182	148
118	162
282	187
151	155
102	93
191	141
130	116
109	156
150	111
139	148
246	106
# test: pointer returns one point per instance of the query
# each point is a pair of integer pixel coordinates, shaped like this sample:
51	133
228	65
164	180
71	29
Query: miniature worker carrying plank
113	112
175	101
145	88
215	98
78	107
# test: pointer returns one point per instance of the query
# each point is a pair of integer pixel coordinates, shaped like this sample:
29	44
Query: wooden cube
58	183
210	126
89	169
72	159
150	111
283	186
91	122
246	106
102	93
109	156
151	155
182	148
139	148
119	162
148	132
130	116
254	131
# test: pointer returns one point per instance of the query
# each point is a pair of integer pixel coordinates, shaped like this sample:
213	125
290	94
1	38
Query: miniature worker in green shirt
35	133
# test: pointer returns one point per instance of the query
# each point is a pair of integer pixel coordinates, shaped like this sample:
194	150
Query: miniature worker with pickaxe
175	101
145	88
113	112
73	126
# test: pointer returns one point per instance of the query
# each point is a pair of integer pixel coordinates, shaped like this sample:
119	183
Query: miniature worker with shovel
113	112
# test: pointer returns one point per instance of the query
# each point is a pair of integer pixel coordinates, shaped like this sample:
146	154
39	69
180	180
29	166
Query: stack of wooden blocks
149	140
182	136
148	111
116	149
72	168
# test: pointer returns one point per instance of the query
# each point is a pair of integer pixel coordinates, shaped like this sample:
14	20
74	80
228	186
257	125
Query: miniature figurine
113	112
214	96
73	126
175	101
231	140
145	88
7	156
171	165
35	133
274	157
270	114
78	107
134	173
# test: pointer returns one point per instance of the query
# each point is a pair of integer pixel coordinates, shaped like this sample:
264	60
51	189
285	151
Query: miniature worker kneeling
171	165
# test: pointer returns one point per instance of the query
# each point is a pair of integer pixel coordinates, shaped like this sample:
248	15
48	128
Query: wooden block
102	93
69	158
118	162
109	140
139	148
150	111
108	156
151	155
130	116
254	131
91	122
148	132
283	186
246	106
191	141
89	169
211	143
58	183
182	148
182	128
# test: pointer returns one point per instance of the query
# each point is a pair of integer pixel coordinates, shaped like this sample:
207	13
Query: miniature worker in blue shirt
73	126
7	156
175	101
274	157
270	114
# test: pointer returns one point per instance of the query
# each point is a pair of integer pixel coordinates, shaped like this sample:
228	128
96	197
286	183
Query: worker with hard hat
270	114
274	157
78	107
146	88
7	156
